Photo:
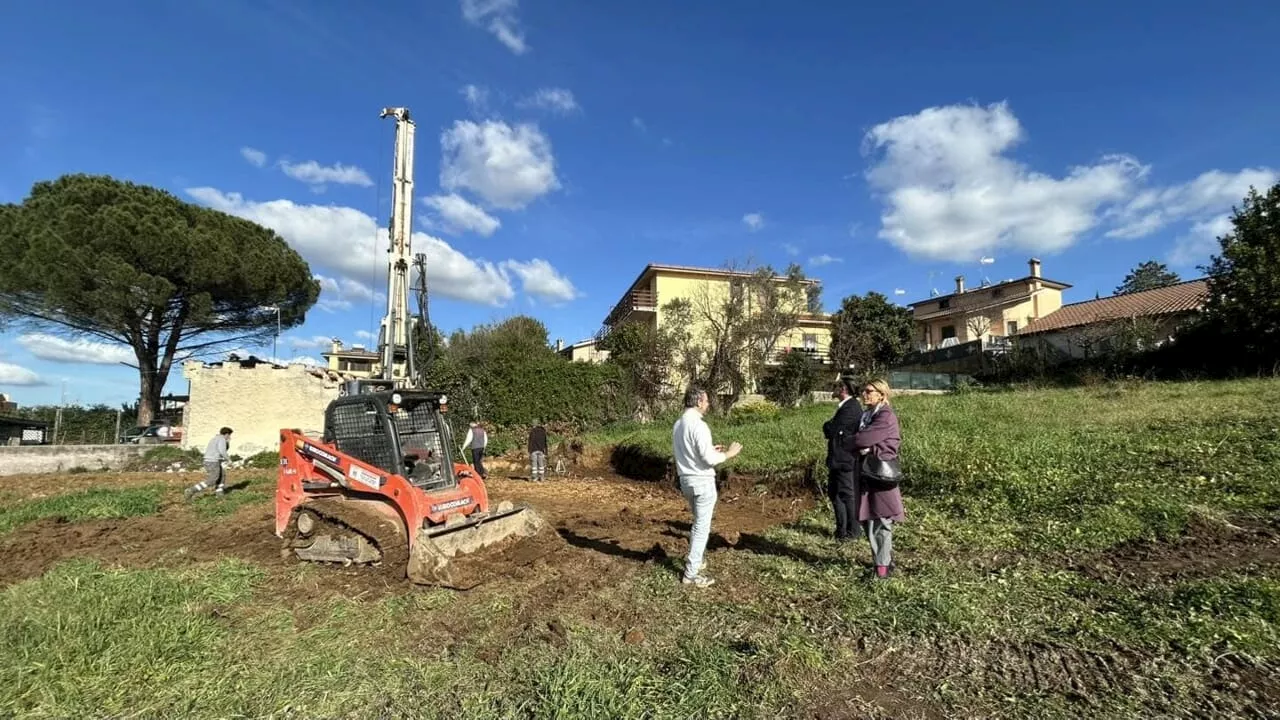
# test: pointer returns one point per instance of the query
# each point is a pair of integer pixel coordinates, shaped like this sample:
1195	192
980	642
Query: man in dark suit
841	483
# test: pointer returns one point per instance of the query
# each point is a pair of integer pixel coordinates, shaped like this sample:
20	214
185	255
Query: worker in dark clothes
538	452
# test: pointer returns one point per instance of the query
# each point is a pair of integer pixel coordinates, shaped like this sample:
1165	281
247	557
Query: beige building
1133	320
584	351
355	361
989	312
657	285
256	400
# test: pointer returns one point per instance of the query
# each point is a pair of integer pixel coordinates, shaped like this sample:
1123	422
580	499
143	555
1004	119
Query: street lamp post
276	338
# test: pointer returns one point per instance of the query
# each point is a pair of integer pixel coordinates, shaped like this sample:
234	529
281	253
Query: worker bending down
215	455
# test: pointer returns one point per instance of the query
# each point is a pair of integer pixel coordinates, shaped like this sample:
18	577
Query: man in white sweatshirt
696	459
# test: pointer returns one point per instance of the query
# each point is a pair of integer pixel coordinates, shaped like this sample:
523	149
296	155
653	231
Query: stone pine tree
92	256
1147	276
1244	278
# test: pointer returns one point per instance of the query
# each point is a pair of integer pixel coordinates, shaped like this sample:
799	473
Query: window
948	331
810	341
944	304
998	292
1011	327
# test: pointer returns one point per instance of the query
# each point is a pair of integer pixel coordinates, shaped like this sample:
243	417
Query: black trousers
477	459
843	491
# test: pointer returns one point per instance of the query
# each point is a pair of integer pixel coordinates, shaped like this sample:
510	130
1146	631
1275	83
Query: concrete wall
32	459
255	403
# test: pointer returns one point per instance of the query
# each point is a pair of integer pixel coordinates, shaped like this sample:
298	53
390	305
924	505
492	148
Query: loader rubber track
386	534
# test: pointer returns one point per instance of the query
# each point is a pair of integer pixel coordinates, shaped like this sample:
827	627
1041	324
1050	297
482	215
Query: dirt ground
603	525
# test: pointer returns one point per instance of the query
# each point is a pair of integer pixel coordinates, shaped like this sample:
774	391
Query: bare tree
741	325
978	325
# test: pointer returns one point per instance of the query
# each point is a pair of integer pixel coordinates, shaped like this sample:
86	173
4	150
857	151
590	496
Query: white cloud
508	167
365	335
951	193
557	100
1201	241
498	17
986	260
313	173
61	350
342	293
1212	193
254	157
753	221
854	228
11	374
349	242
460	215
823	259
315	342
791	248
540	279
477	98
899	291
638	123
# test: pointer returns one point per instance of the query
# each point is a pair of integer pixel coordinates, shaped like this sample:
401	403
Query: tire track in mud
1228	685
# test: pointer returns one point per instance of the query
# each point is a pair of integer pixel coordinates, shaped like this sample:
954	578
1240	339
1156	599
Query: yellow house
658	285
584	351
988	313
355	361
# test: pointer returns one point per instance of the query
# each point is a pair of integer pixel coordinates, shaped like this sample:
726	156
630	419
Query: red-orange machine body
381	486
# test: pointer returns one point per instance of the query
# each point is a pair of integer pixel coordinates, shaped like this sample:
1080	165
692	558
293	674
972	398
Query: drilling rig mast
395	336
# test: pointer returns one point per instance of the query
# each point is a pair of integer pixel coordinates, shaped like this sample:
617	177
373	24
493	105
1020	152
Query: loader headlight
396	399
444	399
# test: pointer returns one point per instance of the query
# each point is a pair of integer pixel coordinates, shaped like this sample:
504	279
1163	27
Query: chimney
559	344
1035	267
959	284
335	346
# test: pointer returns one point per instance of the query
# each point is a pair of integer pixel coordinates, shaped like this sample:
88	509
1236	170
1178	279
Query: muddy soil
1207	548
604	526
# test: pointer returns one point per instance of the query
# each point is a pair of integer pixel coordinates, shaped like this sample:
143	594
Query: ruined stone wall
255	402
61	458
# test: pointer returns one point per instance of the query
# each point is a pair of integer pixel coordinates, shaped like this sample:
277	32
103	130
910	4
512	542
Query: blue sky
562	146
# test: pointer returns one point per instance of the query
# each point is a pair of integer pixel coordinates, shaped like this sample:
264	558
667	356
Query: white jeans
701	494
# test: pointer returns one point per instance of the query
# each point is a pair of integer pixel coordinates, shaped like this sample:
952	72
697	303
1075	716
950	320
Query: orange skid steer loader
382	487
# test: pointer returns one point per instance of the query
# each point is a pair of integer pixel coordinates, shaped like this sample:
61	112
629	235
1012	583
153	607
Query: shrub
791	381
265	460
757	411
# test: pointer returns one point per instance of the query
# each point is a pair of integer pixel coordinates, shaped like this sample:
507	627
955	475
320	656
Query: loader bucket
466	553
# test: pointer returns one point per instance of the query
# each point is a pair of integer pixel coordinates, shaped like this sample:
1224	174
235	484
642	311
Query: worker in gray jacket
477	440
215	454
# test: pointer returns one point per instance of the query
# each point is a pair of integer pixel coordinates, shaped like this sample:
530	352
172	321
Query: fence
909	380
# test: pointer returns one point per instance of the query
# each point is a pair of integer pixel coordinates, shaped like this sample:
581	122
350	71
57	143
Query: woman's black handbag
885	472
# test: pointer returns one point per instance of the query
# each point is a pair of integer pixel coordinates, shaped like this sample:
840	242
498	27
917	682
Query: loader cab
402	432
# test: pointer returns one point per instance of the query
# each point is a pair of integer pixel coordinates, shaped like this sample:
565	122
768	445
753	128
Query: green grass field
1102	552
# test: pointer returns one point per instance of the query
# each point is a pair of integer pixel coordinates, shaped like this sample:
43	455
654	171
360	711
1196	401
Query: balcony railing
819	354
634	301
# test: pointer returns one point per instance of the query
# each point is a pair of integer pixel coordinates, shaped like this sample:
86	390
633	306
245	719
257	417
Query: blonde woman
880	505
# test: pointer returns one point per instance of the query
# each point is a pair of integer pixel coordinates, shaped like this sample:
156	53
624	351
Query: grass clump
92	504
164	457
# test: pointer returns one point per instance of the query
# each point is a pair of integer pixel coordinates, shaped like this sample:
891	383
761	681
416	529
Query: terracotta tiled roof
1182	297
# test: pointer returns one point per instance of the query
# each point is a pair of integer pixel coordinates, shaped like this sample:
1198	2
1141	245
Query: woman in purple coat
880	505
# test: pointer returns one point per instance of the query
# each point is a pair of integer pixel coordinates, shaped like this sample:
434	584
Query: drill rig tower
395	336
